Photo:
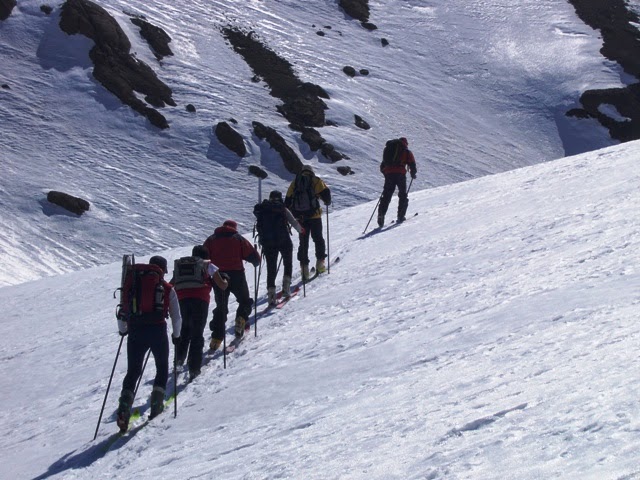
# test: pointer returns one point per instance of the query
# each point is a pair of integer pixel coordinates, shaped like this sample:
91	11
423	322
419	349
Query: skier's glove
175	340
225	276
123	334
413	175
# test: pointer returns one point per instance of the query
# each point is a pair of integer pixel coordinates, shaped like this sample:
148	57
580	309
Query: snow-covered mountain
477	87
492	336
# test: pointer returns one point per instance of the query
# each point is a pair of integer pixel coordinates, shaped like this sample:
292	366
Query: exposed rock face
291	161
6	7
621	43
119	71
358	9
343	170
360	123
302	104
69	202
156	37
231	139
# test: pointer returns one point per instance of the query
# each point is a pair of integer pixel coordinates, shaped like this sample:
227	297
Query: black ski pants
194	313
391	181
240	290
271	255
313	228
141	338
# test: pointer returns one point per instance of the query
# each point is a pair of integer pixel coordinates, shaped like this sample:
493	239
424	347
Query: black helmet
159	261
275	195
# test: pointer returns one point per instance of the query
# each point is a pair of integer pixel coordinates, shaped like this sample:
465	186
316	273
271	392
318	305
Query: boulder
156	37
231	139
6	7
291	161
358	9
68	202
114	66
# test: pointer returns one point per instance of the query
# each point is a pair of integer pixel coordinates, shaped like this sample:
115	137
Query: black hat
275	195
159	261
200	251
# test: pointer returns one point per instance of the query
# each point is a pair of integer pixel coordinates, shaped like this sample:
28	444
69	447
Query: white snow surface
478	87
494	335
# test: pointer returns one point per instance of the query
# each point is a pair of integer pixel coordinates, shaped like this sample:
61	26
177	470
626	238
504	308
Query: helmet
307	168
159	261
275	195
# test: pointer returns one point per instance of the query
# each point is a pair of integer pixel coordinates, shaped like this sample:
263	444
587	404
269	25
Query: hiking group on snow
147	299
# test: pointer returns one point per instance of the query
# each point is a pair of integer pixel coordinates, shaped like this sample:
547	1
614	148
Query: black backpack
392	153
304	201
271	223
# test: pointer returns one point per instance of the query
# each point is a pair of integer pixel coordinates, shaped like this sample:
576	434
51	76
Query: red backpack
144	295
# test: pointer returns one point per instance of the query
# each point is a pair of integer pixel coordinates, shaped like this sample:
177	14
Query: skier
148	331
302	199
228	249
396	158
192	279
273	220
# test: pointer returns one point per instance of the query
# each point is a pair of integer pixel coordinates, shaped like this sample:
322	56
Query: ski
395	222
235	343
285	300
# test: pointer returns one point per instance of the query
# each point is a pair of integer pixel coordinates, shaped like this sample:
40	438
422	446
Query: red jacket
406	160
228	249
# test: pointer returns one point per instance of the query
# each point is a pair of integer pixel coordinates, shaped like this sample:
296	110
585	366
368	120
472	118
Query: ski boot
380	220
239	329
320	266
271	296
305	271
214	344
286	286
157	402
124	410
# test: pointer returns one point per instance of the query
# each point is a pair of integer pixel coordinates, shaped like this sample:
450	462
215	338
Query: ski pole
410	183
175	384
108	387
328	245
144	365
255	302
374	212
225	299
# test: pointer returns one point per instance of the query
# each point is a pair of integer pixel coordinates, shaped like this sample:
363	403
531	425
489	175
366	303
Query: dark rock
364	71
6	7
328	27
156	37
384	42
191	108
578	113
302	102
360	123
256	171
331	153
312	138
320	33
358	9
114	66
231	139
46	9
349	71
73	204
330	123
291	161
256	79
369	26
344	170
6	86
234	121
621	43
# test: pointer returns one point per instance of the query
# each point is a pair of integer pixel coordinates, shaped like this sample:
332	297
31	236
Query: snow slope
478	87
493	336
